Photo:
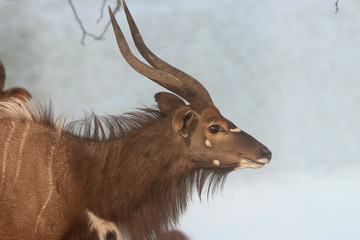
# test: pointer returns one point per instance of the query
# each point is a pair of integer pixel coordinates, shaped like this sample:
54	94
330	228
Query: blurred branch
87	33
336	6
102	11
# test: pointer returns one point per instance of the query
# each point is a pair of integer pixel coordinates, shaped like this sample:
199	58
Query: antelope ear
19	93
2	76
182	120
168	102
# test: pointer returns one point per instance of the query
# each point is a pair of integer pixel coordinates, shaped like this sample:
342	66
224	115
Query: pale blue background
285	71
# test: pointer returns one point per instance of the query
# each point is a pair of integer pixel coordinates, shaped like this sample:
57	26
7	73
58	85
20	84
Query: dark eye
214	129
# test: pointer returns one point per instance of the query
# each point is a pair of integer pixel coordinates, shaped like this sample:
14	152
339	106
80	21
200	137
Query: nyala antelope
116	177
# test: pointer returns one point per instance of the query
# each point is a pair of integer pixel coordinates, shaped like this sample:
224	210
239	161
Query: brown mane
91	127
111	127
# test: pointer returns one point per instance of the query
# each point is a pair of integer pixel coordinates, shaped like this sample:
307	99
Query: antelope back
35	181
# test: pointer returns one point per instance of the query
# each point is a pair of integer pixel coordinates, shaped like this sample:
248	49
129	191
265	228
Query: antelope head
19	93
212	141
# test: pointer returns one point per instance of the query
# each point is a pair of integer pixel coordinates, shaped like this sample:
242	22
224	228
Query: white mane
33	111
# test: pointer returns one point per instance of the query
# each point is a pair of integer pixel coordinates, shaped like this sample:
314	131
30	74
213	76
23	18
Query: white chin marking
216	162
263	160
235	130
247	163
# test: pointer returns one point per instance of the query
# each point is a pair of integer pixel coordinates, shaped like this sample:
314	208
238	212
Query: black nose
266	153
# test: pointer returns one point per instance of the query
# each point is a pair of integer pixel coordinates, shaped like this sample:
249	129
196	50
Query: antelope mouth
244	162
251	163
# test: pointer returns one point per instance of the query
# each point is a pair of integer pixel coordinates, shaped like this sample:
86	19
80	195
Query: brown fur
130	175
173	235
115	170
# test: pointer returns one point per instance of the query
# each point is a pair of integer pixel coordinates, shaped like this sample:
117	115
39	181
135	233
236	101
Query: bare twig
336	6
87	33
102	11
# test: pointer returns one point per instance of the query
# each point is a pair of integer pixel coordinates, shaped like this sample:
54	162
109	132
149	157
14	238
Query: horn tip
124	3
110	10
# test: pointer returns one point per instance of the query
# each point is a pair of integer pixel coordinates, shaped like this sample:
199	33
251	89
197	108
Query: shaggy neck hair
134	172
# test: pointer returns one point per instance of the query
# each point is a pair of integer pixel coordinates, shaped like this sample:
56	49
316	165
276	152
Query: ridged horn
171	78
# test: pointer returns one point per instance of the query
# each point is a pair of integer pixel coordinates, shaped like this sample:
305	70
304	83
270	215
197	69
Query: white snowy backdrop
285	71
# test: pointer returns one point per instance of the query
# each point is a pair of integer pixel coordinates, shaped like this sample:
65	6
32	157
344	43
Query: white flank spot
216	162
6	148
21	150
208	143
235	130
51	185
102	227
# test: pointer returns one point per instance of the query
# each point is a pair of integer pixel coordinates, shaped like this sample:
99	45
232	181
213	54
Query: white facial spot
216	162
208	143
235	130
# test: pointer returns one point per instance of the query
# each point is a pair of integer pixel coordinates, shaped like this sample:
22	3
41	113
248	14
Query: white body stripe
6	148
51	185
102	227
21	151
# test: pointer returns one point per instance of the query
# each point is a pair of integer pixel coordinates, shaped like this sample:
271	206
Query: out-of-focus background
286	72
